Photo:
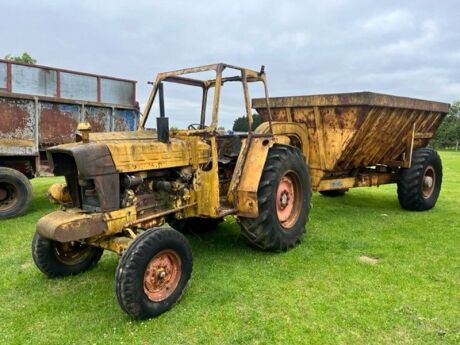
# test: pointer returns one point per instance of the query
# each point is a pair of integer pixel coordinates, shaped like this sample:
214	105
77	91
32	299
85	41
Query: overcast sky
407	48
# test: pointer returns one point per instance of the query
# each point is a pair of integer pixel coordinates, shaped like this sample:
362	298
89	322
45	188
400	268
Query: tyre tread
262	231
409	180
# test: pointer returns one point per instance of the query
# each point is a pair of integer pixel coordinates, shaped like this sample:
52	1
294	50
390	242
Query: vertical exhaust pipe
162	121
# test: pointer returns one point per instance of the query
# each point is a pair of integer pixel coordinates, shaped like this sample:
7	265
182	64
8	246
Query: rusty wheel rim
162	275
71	253
288	200
8	196
428	182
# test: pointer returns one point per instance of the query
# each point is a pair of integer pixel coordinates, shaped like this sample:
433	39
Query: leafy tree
241	123
25	58
448	134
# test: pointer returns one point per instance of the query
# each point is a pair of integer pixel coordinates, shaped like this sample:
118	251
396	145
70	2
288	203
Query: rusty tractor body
40	107
121	188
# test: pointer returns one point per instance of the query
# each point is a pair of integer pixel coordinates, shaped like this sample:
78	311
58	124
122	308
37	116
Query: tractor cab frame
244	76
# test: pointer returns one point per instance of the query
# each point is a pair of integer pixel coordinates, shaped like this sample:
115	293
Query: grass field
319	292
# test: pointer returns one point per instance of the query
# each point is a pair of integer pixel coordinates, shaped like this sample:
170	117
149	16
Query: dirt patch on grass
369	259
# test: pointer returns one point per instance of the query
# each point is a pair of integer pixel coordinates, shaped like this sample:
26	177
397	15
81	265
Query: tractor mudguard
296	133
65	226
246	176
74	224
251	161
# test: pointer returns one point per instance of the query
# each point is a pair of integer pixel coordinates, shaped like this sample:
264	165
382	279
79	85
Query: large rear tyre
419	186
284	197
57	259
194	225
153	273
15	193
333	193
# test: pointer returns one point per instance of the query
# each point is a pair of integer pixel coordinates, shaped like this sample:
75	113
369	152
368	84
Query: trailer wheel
57	259
333	193
153	273
284	197
15	193
419	186
194	225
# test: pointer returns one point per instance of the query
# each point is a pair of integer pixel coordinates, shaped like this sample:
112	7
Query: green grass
319	292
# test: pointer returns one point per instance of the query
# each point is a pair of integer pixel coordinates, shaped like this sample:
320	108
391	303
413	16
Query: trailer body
357	139
41	107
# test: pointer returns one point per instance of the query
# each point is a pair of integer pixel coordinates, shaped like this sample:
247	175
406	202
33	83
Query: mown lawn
319	292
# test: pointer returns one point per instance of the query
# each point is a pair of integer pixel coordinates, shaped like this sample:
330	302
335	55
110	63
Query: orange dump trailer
366	139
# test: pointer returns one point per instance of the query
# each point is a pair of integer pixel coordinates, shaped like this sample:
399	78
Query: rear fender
251	161
290	133
246	176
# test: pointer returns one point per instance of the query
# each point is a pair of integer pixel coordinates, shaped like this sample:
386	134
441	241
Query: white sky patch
395	20
295	40
429	33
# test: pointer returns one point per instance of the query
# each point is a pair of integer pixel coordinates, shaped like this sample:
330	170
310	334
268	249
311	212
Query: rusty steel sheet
58	123
99	118
17	127
36	124
355	130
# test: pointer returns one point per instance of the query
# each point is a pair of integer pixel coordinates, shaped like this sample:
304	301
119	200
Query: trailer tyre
194	225
153	273
284	197
333	193
419	186
57	259
15	193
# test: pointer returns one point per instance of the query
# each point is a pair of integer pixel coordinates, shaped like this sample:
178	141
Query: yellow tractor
121	188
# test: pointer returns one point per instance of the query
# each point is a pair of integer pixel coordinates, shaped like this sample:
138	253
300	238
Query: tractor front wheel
284	197
153	273
420	185
57	259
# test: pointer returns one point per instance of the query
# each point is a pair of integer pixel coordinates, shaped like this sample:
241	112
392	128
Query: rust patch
66	226
98	118
57	126
162	275
17	120
120	124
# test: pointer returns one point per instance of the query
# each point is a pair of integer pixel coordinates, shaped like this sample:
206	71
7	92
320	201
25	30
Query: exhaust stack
162	121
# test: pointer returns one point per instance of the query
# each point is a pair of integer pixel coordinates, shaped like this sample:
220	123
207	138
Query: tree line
448	134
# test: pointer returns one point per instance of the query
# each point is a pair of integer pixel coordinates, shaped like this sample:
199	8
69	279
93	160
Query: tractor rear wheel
419	186
333	193
153	273
15	193
284	197
194	225
57	259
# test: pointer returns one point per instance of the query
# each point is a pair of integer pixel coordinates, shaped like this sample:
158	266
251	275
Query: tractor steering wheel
196	126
